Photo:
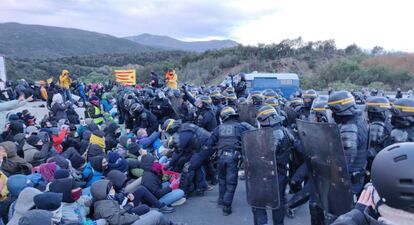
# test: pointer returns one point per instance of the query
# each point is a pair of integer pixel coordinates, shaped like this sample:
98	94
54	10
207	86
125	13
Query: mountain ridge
169	43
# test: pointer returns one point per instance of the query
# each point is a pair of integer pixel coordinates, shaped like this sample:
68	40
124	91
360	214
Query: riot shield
262	186
247	113
326	161
175	103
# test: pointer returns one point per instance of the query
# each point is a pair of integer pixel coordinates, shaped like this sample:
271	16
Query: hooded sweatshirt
13	164
109	210
23	204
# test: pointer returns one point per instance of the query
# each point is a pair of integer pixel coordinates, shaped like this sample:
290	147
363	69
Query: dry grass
402	62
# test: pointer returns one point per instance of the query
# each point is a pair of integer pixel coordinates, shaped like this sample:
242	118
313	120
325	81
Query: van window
286	82
249	84
265	82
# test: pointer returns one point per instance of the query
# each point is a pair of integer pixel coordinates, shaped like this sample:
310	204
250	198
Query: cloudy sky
364	22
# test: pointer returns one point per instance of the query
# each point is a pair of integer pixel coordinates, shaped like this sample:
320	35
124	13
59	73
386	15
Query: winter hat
13	117
17	183
117	178
99	189
96	163
62	173
47	170
133	148
86	135
48	201
123	140
64	186
77	161
32	140
36	217
116	162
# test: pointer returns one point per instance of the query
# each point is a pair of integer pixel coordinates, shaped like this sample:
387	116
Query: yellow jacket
171	77
4	192
64	80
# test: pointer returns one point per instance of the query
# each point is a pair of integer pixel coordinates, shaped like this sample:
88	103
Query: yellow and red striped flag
126	76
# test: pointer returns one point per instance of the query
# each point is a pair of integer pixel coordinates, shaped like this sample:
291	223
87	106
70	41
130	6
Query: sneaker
179	202
209	188
290	213
165	210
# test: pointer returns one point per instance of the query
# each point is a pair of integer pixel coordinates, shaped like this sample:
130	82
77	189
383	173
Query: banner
126	76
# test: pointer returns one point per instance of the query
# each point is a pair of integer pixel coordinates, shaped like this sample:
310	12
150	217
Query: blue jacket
90	175
106	105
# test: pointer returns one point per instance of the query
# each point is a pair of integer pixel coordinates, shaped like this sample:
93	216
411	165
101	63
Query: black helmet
268	116
378	104
295	102
402	112
269	93
227	112
403	107
171	126
229	90
392	176
342	103
377	107
256	97
241	101
203	101
231	98
308	96
272	102
136	108
319	108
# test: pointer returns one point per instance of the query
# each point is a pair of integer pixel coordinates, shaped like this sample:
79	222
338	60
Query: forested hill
36	41
319	64
169	43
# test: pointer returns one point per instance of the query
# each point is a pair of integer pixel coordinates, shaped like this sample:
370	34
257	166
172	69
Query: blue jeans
172	197
67	96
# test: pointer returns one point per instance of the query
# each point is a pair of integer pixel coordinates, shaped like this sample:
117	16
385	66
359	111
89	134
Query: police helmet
392	176
203	101
136	108
227	112
171	126
256	97
402	112
269	93
268	116
308	96
342	103
272	102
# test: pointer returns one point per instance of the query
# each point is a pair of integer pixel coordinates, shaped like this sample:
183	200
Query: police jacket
353	131
145	120
227	137
190	138
206	119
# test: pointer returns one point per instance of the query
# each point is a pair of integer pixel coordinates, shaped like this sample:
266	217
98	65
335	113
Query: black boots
226	210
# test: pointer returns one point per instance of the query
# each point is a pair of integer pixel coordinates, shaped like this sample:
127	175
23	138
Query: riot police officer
275	104
205	116
189	143
143	118
353	131
161	107
379	128
257	99
319	111
227	139
283	142
402	120
303	111
216	98
231	100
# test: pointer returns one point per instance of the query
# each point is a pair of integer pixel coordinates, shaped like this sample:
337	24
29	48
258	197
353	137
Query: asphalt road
202	210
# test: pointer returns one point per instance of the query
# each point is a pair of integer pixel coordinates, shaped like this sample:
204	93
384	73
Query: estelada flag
126	76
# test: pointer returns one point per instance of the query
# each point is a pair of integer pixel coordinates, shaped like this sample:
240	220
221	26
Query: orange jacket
43	93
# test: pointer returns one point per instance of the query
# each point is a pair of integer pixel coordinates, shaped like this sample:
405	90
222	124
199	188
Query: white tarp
2	69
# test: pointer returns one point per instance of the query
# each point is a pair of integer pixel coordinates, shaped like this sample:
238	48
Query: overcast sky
388	23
